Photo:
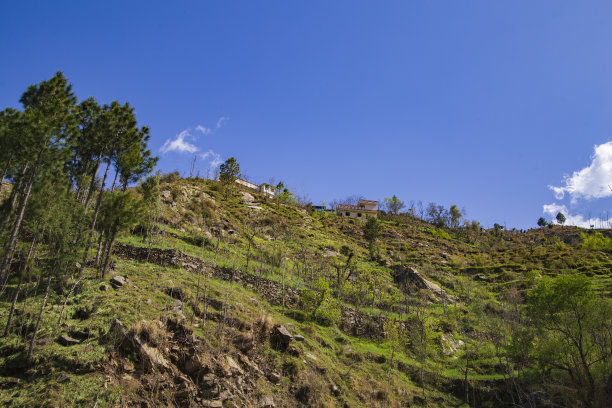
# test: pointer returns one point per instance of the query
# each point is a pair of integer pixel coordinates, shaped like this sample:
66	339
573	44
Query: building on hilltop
264	188
363	209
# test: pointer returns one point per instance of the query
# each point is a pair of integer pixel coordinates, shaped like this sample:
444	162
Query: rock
244	342
234	367
128	366
226	395
104	288
117	281
209	385
298	337
280	337
63	378
409	274
178	309
81	334
266	402
166	194
274	378
246	197
334	390
310	356
193	365
294	351
66	340
449	345
213	404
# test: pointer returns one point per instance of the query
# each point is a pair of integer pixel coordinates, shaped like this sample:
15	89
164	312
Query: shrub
175	191
329	312
170	177
596	241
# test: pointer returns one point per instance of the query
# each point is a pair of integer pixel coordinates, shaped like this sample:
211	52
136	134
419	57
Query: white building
363	209
264	188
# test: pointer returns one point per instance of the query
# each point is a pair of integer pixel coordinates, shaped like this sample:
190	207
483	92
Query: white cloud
215	158
221	120
179	144
203	129
592	181
577	220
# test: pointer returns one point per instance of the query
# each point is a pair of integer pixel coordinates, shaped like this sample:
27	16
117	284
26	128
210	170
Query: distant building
363	209
265	189
318	208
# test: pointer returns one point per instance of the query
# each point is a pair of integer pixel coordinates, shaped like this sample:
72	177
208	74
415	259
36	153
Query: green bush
330	312
596	242
170	177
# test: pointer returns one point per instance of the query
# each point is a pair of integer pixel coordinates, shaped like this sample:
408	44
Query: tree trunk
23	272
13	304
42	308
92	184
6	168
92	227
15	193
8	255
100	240
59	321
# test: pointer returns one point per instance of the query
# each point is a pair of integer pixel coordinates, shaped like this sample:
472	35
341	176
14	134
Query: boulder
233	366
298	337
280	337
274	377
66	340
117	281
266	402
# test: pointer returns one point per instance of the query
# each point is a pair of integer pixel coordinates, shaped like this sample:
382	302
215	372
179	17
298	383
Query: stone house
363	209
264	188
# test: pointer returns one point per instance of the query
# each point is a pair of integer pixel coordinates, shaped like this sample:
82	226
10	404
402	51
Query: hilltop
225	297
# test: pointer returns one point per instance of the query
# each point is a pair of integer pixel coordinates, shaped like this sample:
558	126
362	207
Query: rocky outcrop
408	275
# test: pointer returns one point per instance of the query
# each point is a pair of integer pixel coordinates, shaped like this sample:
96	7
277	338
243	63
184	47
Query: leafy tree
455	216
394	204
228	173
542	222
574	332
371	232
560	218
282	194
49	120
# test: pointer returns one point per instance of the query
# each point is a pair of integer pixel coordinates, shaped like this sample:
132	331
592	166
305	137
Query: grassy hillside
419	316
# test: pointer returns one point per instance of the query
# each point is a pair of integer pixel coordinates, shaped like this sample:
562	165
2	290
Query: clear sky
484	104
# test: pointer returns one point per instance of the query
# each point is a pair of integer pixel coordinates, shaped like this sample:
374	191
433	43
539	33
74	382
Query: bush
170	177
175	191
596	242
330	312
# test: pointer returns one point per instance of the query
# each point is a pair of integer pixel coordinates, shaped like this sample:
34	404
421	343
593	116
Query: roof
368	201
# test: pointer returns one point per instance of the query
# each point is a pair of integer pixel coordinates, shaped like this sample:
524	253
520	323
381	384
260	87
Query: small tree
455	216
371	231
394	204
542	222
560	218
228	173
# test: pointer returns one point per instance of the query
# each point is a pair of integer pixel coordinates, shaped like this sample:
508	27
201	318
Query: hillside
221	298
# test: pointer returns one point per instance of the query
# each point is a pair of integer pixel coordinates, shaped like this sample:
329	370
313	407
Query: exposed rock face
409	275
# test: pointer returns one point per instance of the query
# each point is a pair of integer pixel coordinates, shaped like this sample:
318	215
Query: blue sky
477	103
